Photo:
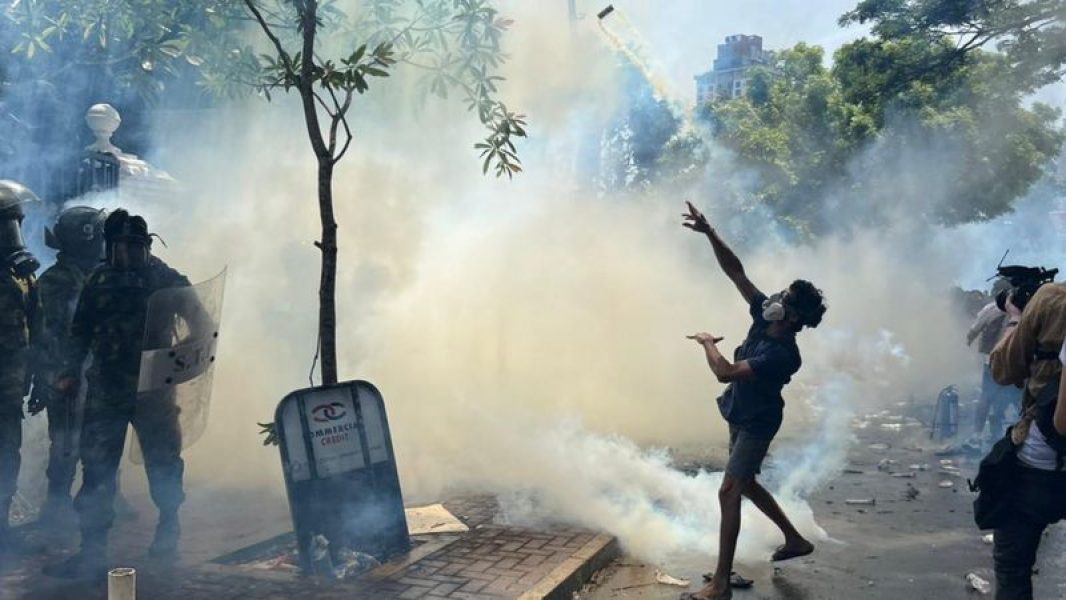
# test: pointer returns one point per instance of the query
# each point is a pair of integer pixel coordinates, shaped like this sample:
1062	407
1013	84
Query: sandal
726	595
783	553
735	581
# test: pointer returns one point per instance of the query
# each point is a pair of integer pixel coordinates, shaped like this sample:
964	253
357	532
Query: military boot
167	532
57	512
10	540
89	563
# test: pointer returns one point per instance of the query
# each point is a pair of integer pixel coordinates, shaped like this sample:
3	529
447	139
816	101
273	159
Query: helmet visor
11	234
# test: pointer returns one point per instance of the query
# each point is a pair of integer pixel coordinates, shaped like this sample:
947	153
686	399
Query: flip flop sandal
783	553
735	581
727	595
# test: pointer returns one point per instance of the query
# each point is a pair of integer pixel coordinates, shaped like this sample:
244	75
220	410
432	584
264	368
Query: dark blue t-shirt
756	405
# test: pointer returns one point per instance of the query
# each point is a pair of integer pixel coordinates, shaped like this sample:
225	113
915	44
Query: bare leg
729	498
766	503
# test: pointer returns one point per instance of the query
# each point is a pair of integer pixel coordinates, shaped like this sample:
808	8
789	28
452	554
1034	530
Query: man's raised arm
727	260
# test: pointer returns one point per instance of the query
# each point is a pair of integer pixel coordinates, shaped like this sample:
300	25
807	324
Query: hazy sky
682	34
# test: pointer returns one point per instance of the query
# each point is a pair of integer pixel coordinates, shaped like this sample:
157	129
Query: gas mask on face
15	255
773	308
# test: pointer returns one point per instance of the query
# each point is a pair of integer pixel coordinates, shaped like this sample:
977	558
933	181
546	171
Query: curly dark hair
808	302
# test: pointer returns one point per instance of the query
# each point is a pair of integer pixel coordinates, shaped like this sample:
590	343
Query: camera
1024	281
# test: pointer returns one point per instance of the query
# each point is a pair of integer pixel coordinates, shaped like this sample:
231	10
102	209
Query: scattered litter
907	475
665	579
853	472
947	484
879	447
885	464
978	584
861	502
892	426
352	564
988	539
911	493
919	467
285	562
947	463
432	519
319	547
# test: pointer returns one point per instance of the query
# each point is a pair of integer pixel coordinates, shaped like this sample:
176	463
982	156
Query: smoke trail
636	52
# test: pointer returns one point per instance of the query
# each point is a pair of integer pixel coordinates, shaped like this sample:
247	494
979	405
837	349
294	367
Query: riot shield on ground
178	355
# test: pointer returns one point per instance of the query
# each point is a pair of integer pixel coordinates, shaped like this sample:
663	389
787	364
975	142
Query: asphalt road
919	548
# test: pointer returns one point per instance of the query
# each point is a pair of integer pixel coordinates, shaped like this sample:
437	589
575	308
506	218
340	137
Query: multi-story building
728	78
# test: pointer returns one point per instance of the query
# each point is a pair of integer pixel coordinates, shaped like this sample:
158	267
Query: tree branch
282	54
347	130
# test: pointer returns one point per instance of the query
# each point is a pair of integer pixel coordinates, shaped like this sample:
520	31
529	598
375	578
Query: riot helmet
13	196
127	240
79	233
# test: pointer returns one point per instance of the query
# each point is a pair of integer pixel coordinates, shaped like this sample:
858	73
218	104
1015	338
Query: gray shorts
746	453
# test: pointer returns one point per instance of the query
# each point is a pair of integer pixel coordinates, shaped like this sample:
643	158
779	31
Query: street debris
919	467
885	464
978	584
947	484
286	562
861	502
879	447
432	519
352	564
989	539
911	493
853	472
907	475
665	579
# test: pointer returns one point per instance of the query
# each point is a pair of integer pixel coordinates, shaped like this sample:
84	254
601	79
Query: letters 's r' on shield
340	472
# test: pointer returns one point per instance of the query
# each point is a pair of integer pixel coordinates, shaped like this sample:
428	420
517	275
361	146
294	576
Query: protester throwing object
752	402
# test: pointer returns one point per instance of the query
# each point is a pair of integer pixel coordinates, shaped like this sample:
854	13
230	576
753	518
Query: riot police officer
18	325
78	235
110	321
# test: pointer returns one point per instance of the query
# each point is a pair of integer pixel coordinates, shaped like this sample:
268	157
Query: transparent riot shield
178	358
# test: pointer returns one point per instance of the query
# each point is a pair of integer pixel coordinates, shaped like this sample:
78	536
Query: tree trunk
327	287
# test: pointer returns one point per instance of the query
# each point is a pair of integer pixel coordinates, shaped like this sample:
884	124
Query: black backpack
997	474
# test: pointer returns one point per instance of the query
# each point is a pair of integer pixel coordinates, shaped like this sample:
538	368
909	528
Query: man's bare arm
727	259
725	371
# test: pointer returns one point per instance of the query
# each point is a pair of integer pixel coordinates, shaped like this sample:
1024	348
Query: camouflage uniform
110	322
18	314
59	287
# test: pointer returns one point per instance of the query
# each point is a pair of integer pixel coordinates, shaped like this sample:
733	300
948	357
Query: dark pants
63	451
10	456
12	390
107	417
1038	503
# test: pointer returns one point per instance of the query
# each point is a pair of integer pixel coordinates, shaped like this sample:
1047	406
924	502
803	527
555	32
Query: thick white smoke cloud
529	336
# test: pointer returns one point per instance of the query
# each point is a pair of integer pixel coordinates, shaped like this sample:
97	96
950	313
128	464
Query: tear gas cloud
529	336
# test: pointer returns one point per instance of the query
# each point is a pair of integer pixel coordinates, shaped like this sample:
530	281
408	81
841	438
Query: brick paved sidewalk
489	561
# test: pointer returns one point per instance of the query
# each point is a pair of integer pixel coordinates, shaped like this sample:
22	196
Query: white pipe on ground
122	584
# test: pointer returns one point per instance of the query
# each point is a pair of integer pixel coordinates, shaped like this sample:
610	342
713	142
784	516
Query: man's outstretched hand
705	338
695	220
